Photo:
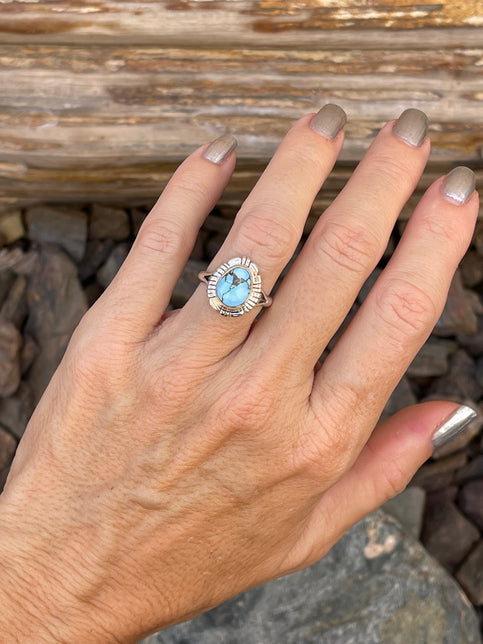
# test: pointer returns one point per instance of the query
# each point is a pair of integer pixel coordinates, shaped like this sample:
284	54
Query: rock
217	224
56	305
479	371
15	411
7	278
458	316
17	260
435	475
473	470
96	253
10	344
473	342
11	226
113	263
402	396
460	381
432	358
447	534
440	496
15	307
470	574
138	215
8	445
471	268
65	227
408	508
109	223
30	351
187	283
470	501
478	237
369	588
368	284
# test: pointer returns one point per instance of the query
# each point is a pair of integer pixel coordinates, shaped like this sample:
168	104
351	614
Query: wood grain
104	99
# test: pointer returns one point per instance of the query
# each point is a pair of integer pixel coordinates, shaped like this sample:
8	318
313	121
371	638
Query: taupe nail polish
453	425
329	121
459	185
220	148
412	127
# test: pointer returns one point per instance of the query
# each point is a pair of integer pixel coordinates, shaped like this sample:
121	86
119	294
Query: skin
175	461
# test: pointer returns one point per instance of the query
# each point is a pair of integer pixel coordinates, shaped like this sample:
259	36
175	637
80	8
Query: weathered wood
333	23
103	99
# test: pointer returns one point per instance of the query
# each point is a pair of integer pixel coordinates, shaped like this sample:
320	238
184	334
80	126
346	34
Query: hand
178	459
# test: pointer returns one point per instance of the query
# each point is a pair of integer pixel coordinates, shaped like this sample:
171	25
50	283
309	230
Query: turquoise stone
234	287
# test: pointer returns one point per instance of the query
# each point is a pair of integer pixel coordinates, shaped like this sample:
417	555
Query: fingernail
412	127
329	121
220	148
459	185
453	425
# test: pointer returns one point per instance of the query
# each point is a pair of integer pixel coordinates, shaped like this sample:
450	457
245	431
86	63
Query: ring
235	287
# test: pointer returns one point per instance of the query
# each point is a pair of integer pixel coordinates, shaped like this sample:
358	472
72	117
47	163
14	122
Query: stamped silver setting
255	296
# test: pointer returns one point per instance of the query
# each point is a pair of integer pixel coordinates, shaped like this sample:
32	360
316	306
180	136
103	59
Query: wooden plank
76	106
275	23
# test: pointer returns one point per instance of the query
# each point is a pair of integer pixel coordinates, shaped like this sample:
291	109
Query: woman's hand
176	460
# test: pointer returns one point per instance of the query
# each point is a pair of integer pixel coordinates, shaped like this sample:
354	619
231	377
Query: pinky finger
395	450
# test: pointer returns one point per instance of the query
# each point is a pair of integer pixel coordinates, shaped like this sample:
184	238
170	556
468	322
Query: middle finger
343	248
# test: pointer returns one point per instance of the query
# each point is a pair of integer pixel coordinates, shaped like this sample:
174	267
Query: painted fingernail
459	185
329	121
220	148
412	127
453	425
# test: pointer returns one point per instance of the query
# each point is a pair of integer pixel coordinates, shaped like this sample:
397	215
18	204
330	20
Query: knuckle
190	184
248	408
274	235
349	247
405	308
162	238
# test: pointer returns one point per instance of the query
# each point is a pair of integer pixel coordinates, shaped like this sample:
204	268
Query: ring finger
269	224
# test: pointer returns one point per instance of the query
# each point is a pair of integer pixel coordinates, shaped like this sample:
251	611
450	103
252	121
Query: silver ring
235	287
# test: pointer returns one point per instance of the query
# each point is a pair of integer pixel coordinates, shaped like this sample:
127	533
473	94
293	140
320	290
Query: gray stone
56	305
408	508
109	223
113	263
187	283
15	307
471	269
138	215
66	227
470	574
17	260
470	500
435	475
473	342
7	278
10	344
460	381
11	226
96	253
368	284
375	586
15	411
198	252
29	352
458	316
402	396
8	445
447	534
432	358
472	470
214	244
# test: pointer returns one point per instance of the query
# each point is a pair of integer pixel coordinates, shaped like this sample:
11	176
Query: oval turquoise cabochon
234	287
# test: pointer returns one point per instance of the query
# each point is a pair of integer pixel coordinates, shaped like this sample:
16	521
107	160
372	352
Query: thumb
388	461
